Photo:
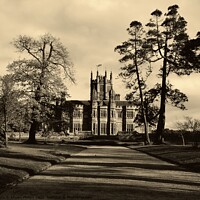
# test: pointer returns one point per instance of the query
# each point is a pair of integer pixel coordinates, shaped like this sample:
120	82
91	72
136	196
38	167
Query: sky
91	29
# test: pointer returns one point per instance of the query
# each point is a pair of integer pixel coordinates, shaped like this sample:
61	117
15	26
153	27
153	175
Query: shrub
130	136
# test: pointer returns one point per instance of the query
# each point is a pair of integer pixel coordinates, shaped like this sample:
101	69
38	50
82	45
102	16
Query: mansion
104	113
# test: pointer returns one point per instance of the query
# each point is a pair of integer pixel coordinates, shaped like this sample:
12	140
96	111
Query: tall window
129	127
94	128
103	113
77	127
103	128
94	113
101	91
77	113
129	114
112	128
112	113
119	114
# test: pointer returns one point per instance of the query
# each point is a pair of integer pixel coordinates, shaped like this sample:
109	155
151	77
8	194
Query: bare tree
192	125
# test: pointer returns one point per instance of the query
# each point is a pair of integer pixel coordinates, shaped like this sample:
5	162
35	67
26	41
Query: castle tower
102	85
103	104
103	114
112	112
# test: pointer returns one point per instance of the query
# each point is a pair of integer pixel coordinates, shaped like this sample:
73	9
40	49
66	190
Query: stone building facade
104	113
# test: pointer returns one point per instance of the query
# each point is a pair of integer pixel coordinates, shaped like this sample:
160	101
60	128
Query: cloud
91	29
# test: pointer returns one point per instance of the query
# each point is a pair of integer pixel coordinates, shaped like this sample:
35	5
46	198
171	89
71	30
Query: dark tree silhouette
167	36
134	57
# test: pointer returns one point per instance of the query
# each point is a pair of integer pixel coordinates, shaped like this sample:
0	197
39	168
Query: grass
19	161
185	156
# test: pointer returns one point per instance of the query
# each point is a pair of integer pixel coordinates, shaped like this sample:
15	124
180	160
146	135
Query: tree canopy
135	57
164	40
41	74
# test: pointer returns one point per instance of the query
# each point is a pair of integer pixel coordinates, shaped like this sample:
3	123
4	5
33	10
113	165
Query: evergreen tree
167	36
134	55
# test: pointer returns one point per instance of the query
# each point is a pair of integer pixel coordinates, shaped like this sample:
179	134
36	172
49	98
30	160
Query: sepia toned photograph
99	100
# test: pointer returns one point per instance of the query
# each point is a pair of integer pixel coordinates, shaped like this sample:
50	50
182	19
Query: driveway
109	172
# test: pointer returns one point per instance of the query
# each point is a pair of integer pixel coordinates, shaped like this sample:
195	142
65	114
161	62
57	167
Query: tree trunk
182	139
35	123
5	126
161	121
2	138
146	131
146	139
32	133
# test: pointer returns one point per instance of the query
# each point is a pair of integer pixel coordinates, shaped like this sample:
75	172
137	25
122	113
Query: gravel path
106	172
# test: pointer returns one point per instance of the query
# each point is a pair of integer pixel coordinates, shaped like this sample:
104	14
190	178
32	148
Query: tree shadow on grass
108	157
29	170
123	177
184	161
79	190
52	146
33	157
117	170
127	164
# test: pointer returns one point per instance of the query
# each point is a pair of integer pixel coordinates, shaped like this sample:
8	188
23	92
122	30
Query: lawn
19	161
185	156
